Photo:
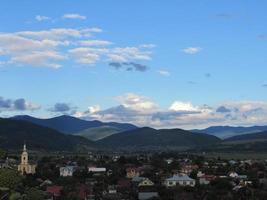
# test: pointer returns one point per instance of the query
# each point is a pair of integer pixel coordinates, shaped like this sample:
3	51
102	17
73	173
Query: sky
165	64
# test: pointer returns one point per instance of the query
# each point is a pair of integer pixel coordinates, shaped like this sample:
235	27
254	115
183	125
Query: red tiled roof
54	190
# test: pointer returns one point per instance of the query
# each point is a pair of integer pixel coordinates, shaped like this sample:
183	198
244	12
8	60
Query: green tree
35	194
9	178
15	196
2	154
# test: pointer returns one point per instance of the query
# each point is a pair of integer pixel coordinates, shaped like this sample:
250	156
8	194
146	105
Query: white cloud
56	33
164	72
149	46
40	58
183	106
85	55
94	109
95	43
136	102
90	55
191	50
51	47
73	16
42	18
23	50
117	58
125	54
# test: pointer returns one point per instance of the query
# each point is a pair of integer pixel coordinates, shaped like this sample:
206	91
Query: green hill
152	138
247	138
99	132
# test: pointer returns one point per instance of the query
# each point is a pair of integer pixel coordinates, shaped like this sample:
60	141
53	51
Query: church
25	167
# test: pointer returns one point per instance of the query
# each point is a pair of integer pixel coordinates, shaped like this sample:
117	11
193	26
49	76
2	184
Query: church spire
24	146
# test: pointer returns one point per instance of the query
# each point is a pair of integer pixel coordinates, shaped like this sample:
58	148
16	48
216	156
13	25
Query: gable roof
180	178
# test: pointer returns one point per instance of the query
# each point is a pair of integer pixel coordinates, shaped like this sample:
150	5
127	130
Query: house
146	182
147	195
84	191
124	184
97	169
233	174
115	158
200	173
132	172
46	182
137	179
112	189
169	161
67	171
187	169
242	177
55	190
206	179
179	179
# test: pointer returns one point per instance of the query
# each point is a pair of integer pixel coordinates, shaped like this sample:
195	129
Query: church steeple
24	155
24	147
25	167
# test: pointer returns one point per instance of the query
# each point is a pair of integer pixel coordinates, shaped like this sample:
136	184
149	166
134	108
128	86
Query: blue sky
155	63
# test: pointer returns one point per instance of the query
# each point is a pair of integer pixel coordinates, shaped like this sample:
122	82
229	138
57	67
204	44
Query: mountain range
66	133
72	125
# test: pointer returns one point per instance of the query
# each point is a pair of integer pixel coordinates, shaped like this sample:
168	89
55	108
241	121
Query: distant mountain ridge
13	133
163	138
224	132
72	125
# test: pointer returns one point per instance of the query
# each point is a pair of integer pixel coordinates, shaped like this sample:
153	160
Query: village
124	176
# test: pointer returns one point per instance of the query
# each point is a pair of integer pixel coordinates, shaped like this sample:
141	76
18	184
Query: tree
9	178
2	154
33	194
15	196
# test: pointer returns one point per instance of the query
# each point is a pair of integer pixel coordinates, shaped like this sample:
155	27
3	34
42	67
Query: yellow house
132	172
146	182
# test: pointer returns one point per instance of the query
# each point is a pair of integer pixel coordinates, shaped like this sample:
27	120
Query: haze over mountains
66	133
72	125
224	132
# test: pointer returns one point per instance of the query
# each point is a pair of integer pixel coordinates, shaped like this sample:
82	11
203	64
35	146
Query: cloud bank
143	111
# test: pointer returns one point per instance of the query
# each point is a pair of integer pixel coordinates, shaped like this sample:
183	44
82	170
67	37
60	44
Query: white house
181	180
233	174
67	171
97	169
206	179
